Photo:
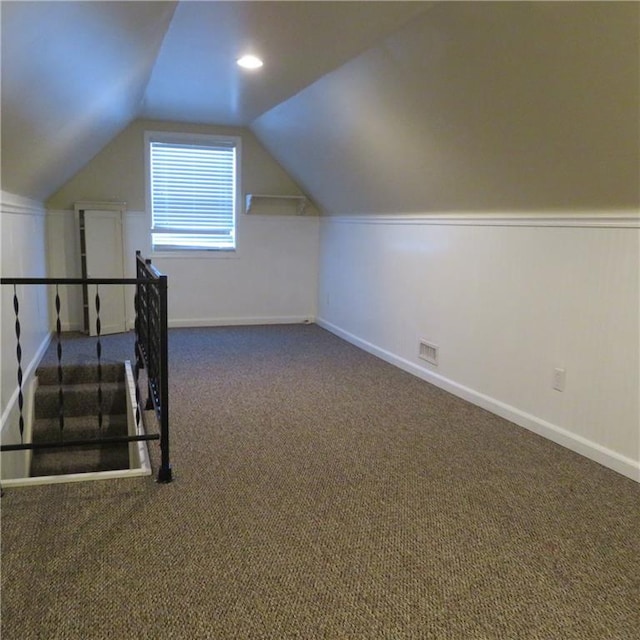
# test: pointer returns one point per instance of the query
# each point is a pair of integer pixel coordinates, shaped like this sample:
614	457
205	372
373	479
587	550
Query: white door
105	259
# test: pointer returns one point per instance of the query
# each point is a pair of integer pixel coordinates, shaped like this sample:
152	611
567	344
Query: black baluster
137	365
99	354
16	308
149	289
60	373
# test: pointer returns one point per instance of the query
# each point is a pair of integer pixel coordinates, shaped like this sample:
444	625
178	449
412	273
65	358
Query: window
192	191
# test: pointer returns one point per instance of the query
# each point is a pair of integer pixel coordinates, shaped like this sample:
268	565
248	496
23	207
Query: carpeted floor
322	493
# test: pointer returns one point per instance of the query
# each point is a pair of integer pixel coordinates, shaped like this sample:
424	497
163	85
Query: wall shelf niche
257	203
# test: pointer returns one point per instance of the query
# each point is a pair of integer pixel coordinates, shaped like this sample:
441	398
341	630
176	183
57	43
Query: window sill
199	254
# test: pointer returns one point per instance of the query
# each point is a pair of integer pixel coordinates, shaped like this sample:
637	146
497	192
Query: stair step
80	399
80	373
80	394
79	428
80	460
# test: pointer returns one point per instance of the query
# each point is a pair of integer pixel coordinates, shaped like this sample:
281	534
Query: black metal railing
151	354
152	349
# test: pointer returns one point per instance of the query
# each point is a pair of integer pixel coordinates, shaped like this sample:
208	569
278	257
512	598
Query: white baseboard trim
72	326
610	459
75	477
236	321
28	372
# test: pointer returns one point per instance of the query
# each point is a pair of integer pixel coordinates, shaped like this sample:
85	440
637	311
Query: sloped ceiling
73	75
76	73
196	79
373	107
474	106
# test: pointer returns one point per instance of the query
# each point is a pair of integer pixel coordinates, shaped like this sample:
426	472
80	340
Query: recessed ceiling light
250	62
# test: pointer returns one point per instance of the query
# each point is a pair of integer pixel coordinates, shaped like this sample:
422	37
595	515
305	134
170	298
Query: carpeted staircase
80	390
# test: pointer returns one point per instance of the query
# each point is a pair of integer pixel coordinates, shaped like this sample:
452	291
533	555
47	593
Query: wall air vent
428	352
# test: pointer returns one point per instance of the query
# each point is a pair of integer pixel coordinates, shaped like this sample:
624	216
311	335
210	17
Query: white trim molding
29	372
100	205
228	322
19	205
626	219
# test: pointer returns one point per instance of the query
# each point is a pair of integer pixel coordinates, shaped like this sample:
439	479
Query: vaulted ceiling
75	73
370	106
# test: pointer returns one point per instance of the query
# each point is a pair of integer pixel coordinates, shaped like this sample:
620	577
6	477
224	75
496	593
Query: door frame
81	209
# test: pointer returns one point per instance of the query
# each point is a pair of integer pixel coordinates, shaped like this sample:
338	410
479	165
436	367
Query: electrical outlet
559	379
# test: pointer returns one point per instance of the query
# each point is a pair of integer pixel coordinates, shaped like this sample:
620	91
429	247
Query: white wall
23	254
506	299
271	278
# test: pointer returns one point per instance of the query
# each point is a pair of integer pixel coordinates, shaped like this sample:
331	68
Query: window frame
195	139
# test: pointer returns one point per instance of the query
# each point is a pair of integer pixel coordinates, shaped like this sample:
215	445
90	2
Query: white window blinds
193	189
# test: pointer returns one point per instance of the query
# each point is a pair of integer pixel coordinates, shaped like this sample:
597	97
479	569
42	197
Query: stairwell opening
117	399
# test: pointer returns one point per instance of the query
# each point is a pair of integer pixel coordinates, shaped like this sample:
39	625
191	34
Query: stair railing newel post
60	369
164	475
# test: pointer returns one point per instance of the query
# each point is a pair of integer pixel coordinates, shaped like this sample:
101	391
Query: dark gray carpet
321	493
